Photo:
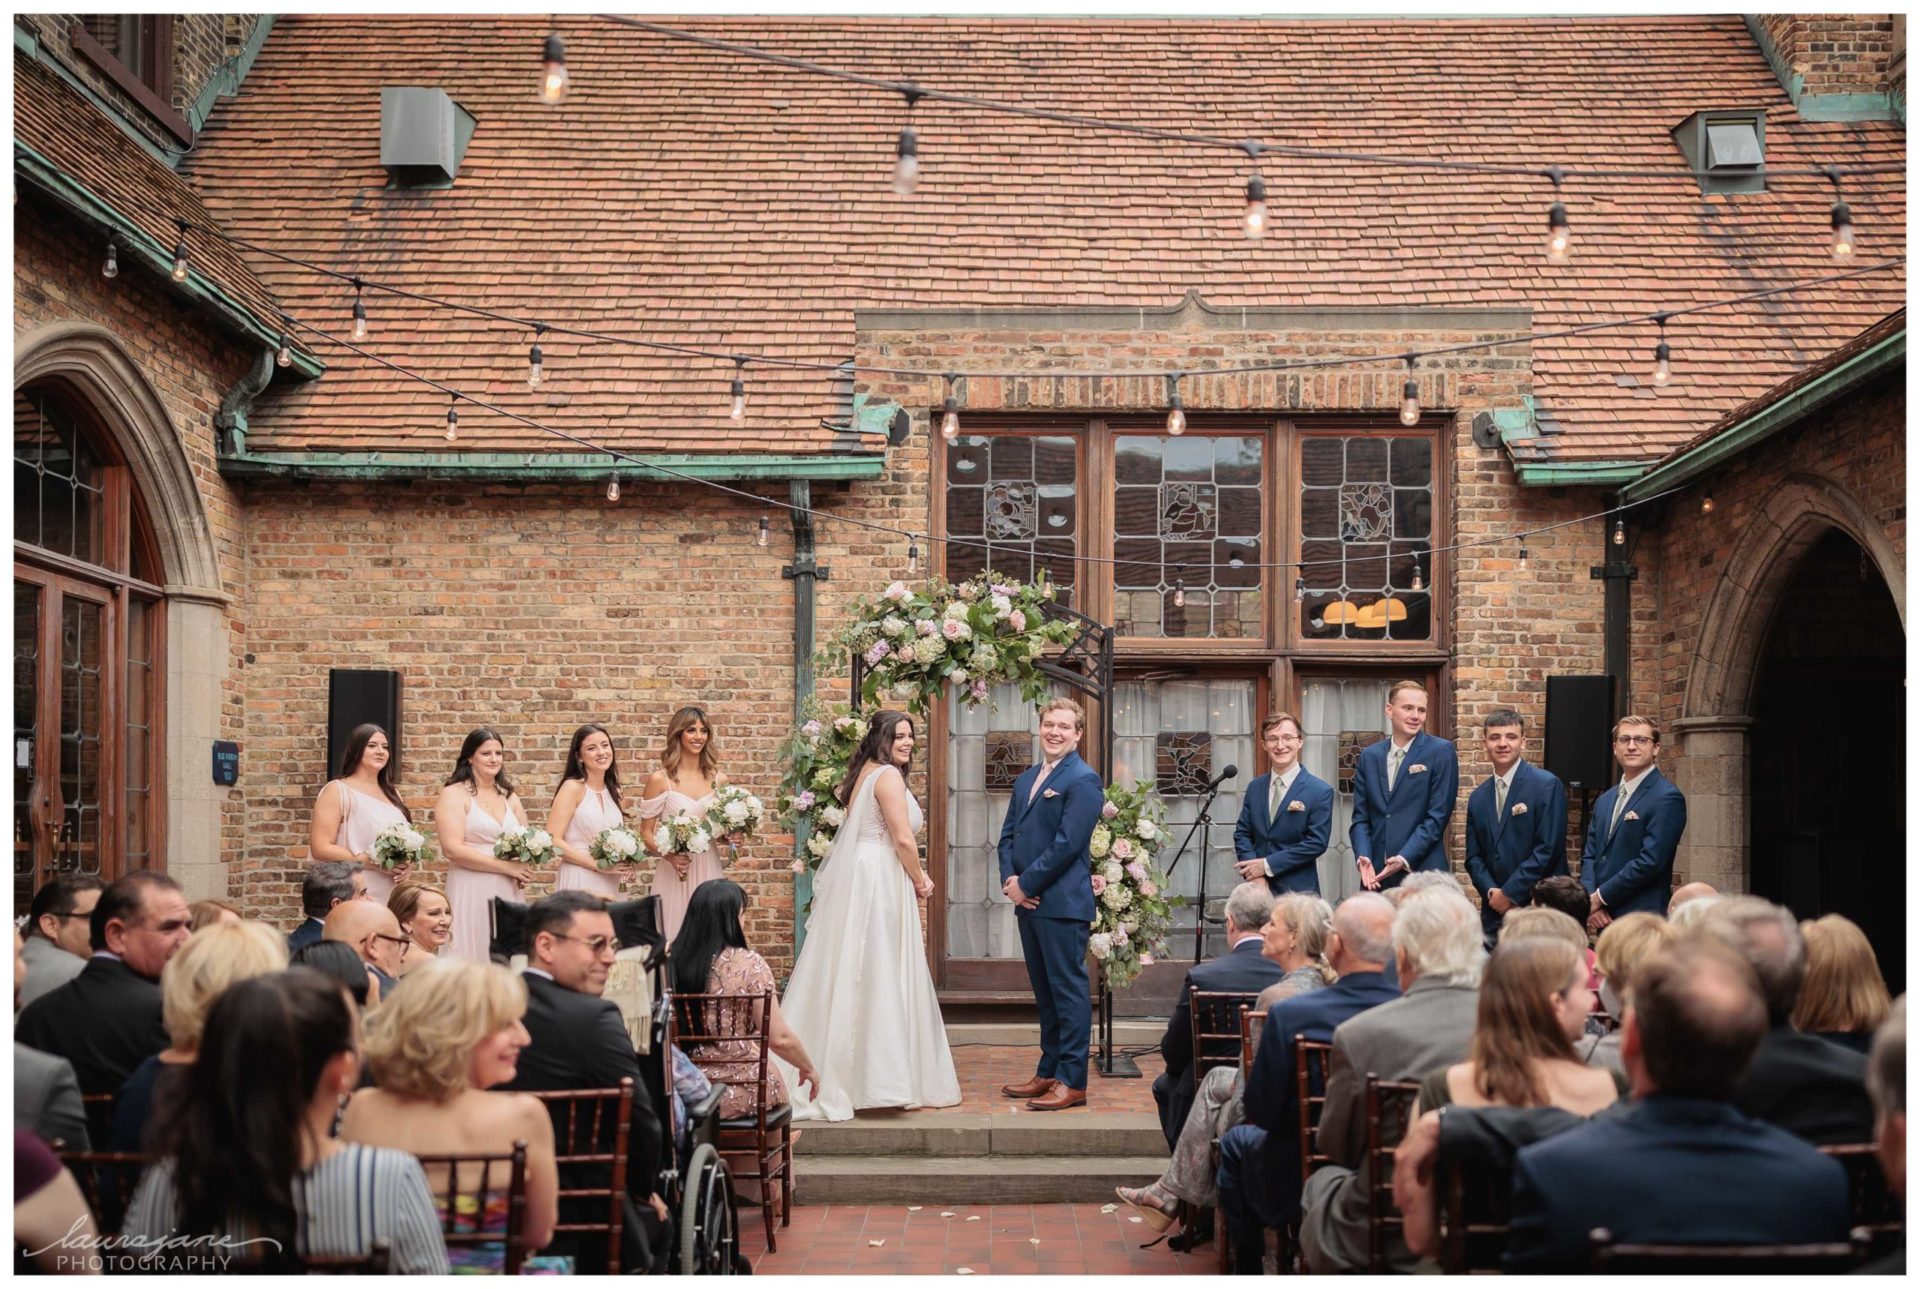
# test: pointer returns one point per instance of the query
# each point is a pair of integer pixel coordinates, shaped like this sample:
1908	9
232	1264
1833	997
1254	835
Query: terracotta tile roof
689	196
53	119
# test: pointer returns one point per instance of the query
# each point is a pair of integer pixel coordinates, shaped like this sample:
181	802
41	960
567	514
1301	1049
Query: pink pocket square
1633	814
1296	805
1416	769
1049	794
1520	808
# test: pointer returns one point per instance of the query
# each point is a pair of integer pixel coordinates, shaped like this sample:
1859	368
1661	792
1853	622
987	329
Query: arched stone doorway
1801	657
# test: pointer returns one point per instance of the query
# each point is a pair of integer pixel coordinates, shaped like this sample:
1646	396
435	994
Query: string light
1523	559
1180	588
1410	396
112	267
906	153
283	356
453	417
1662	356
950	419
359	310
553	79
180	253
1842	243
1619	532
1559	235
1176	410
739	409
536	361
766	530
913	556
613	487
1706	502
1256	193
1416	583
1299	590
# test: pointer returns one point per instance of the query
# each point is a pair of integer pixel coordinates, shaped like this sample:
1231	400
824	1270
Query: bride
861	998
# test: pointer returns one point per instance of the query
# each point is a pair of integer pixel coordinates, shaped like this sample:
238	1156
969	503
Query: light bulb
1619	532
359	318
1842	230
906	166
283	356
765	530
112	267
453	424
553	80
1416	583
1559	235
1662	364
913	558
1706	504
1256	207
180	260
1299	590
1176	420
536	366
613	487
739	409
1410	402
1180	594
1523	559
950	423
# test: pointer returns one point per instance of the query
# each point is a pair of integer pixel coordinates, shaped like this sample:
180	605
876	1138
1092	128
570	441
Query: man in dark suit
579	1041
1679	1164
1516	824
46	1096
1627	864
106	1020
1046	872
1241	969
327	885
1286	816
372	931
1259	1175
1403	792
1814	1088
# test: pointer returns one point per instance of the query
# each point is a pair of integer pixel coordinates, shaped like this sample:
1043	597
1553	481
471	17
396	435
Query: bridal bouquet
526	846
613	846
1132	914
735	812
397	844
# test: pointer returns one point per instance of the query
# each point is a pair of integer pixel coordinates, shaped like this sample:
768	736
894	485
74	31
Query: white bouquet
735	814
525	846
397	844
683	834
613	846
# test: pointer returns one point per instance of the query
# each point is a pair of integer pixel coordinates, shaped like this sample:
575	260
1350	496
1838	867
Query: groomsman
1403	792
1627	864
1286	816
1516	824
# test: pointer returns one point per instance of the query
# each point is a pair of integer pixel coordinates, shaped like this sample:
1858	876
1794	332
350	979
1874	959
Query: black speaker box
354	698
1579	731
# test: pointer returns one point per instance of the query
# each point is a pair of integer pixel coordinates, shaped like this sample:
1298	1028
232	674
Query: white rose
541	840
1113	873
736	812
1146	830
1101	842
957	611
415	841
756	808
698	842
1101	944
958	676
819	844
892	626
834	815
1002	606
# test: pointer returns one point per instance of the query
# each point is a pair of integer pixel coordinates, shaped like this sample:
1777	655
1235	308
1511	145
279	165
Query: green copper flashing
1847	107
1578	474
546	467
137	245
226	78
1771	419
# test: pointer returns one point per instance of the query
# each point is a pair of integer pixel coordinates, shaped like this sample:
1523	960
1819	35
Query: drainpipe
804	573
1619	574
230	422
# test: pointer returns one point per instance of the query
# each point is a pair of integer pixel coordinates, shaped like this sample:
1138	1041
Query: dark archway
1828	750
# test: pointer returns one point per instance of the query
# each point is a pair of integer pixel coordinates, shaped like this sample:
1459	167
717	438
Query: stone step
1126	1033
950	1182
1008	1133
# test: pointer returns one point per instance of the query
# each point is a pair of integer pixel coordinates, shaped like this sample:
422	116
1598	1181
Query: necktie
1275	793
1046	768
1500	800
1619	806
1393	766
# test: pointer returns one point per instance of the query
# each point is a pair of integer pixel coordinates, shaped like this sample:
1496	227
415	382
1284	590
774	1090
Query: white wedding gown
861	998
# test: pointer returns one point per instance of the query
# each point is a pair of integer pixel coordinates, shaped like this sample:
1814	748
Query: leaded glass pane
1012	498
1366	520
59	489
1189	529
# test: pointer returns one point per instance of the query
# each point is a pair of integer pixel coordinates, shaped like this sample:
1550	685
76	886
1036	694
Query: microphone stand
1205	818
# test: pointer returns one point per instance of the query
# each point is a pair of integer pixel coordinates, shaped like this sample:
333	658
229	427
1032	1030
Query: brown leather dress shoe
1033	1087
1061	1097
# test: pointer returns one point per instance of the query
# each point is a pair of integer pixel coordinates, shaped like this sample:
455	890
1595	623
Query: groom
1046	872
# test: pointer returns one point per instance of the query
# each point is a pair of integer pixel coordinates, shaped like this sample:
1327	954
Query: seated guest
1243	968
579	1041
106	1020
1679	1164
50	1214
1887	1085
1810	1087
1550	924
208	964
372	931
1260	1185
46	1096
249	1150
1687	894
1685	916
436	1044
206	913
58	923
1533	1006
1844	998
331	958
1434	879
1296	938
425	917
1438	953
710	956
1626	943
327	885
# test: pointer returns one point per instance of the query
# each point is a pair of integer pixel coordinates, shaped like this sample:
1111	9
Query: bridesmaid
685	783
586	804
351	810
475	808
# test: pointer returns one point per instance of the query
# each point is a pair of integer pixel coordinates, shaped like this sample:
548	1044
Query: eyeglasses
400	940
596	945
1287	738
1635	740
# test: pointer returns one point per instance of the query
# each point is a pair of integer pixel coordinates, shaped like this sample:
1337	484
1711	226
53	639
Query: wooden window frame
150	86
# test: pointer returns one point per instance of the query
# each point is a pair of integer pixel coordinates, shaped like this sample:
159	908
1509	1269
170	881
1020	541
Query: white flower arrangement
399	843
524	846
1101	843
735	813
613	847
1131	915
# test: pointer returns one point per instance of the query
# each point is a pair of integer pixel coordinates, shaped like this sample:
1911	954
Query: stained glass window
1366	525
1014	494
1188	526
57	481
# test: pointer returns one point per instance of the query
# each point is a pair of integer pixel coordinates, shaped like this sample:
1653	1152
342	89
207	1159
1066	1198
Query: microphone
1223	776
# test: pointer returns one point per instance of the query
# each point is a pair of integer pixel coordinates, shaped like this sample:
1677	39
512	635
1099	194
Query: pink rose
1149	890
1109	811
1122	849
980	691
951	628
903	654
1099	883
811	729
797	867
1137	871
1017	620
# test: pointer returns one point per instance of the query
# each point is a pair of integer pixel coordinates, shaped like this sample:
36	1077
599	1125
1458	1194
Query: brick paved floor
984	1071
1073	1239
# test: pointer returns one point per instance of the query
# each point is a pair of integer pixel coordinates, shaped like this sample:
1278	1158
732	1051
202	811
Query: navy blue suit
1243	969
1044	843
1517	849
1633	868
1292	841
306	933
1260	1159
1410	821
1668	1169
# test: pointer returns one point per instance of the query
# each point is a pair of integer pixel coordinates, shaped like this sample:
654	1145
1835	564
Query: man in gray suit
46	1095
59	924
1438	954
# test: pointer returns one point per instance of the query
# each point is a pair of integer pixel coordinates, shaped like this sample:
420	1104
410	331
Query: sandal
1142	1201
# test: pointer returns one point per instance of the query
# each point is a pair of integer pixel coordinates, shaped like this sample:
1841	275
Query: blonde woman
191	983
1296	938
427	919
449	1032
684	784
1626	943
1844	998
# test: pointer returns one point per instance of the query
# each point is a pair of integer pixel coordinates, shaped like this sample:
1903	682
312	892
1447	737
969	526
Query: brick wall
1834	53
201	42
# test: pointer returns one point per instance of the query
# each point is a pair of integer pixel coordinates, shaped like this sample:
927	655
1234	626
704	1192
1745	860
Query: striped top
345	1203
